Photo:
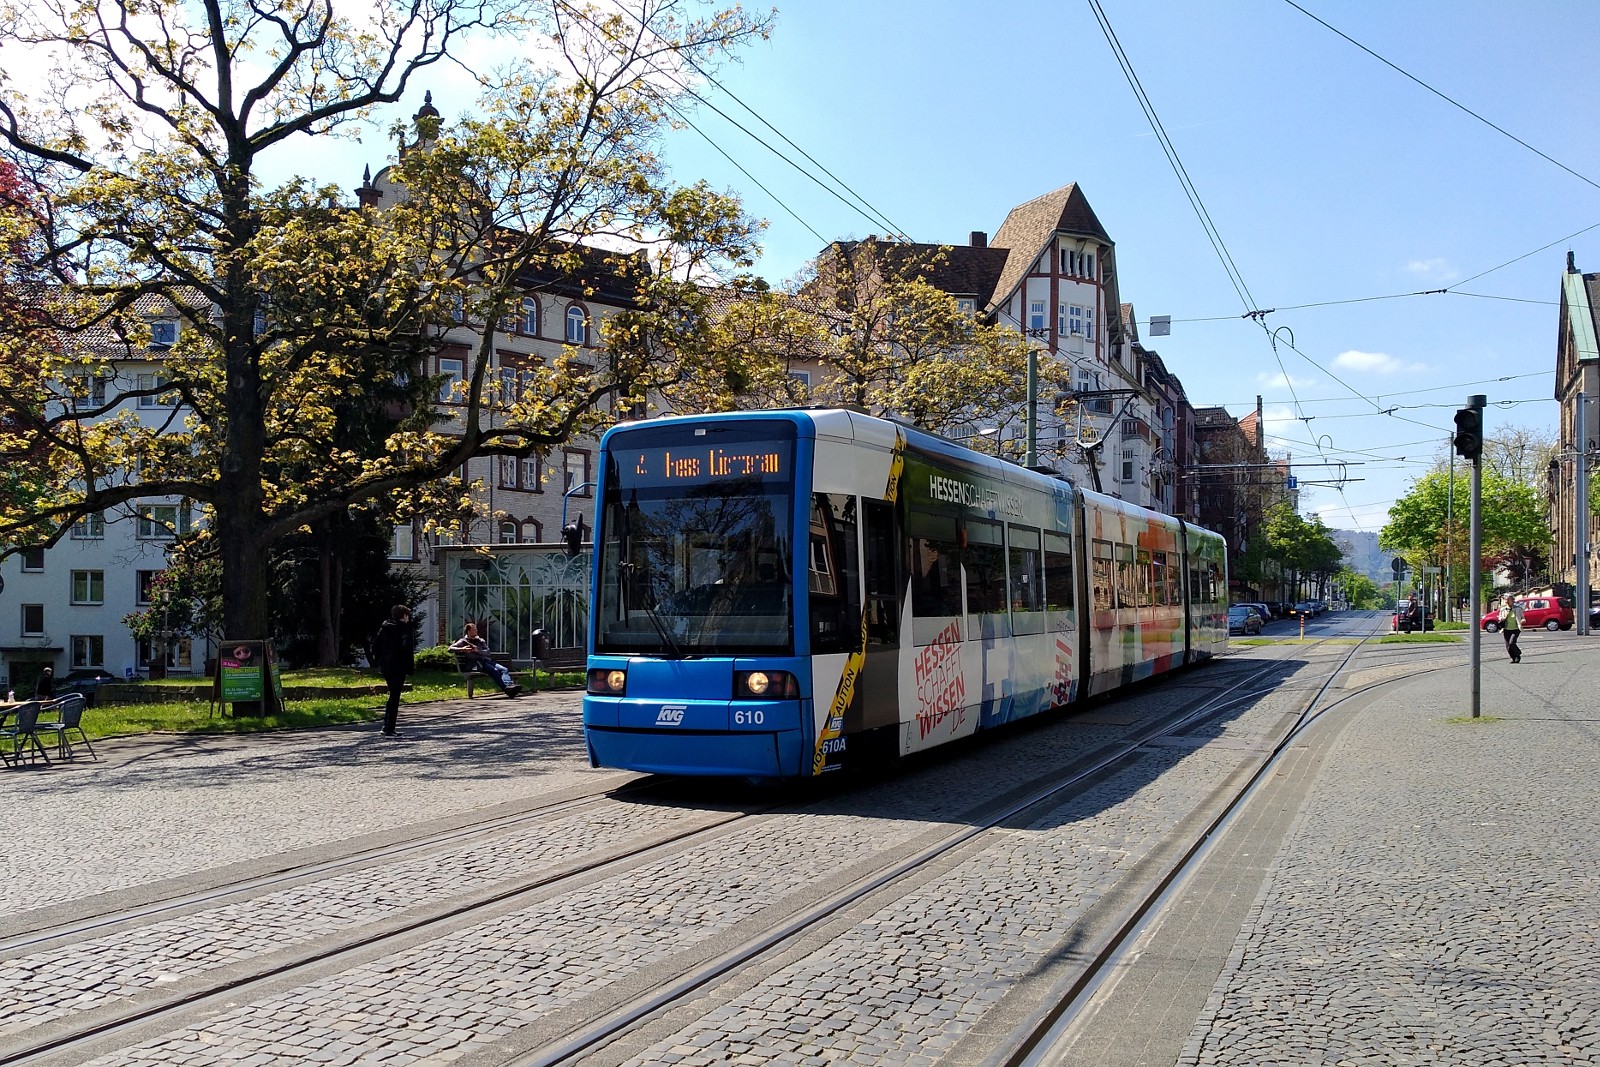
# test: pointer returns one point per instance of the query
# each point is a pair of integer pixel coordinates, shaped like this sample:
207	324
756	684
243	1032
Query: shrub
439	657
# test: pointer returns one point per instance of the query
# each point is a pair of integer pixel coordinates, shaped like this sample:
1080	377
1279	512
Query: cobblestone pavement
434	1000
1438	900
168	806
932	953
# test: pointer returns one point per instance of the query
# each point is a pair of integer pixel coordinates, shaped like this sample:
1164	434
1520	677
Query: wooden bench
473	677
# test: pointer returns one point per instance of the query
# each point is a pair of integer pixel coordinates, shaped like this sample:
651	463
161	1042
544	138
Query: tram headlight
765	685
608	681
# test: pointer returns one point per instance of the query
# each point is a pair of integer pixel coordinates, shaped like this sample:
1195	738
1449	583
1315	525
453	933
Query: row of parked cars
1535	612
1248	617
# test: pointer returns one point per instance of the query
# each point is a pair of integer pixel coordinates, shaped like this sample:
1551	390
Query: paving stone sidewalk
1437	900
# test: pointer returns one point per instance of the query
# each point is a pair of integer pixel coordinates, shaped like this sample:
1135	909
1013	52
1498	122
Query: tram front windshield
694	541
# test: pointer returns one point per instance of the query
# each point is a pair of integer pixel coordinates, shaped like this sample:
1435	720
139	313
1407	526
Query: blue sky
1331	179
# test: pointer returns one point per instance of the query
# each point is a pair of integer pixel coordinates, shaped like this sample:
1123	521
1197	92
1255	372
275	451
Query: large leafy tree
147	153
1429	525
894	343
1303	546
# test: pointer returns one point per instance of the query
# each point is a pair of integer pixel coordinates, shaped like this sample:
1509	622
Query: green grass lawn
1432	637
107	719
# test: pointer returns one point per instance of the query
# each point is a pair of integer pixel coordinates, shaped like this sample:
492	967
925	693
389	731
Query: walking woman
1511	629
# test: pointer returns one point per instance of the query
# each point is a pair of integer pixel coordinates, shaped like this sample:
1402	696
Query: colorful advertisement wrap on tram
779	594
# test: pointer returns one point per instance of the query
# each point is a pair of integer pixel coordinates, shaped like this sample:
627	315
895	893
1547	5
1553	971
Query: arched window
532	532
530	316
508	533
577	325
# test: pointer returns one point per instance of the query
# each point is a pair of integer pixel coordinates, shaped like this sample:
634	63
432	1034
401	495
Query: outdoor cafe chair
21	734
69	717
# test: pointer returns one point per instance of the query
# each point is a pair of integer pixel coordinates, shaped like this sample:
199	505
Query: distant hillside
1362	554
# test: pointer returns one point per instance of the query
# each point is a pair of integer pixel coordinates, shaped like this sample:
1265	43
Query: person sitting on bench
474	655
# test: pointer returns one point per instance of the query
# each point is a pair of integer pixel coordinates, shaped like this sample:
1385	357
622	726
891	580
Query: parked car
1267	614
1303	609
1548	612
1244	619
1410	615
86	682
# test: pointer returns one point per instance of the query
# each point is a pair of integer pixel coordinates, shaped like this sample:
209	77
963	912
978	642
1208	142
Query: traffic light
1469	433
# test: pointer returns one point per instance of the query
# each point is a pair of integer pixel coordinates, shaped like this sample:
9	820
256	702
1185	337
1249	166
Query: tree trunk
330	597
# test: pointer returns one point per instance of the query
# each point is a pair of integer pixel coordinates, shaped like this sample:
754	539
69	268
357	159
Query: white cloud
1437	269
1283	381
1375	363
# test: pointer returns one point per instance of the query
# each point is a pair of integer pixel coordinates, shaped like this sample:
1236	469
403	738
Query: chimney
1572	265
979	239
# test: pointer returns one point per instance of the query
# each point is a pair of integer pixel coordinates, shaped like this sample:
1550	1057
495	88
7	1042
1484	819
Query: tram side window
883	573
1060	578
1027	580
1102	576
1144	580
985	564
833	574
935	558
1127	578
1160	580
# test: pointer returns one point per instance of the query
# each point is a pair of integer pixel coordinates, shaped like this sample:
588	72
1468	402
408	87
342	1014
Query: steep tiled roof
959	270
1029	226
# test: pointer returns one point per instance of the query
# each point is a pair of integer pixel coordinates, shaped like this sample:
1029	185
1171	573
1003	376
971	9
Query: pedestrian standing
394	650
1511	629
45	687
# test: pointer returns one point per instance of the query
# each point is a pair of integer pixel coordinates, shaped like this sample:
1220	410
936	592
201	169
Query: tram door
885	584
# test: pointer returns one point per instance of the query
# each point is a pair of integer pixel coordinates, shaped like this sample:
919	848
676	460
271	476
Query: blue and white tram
778	594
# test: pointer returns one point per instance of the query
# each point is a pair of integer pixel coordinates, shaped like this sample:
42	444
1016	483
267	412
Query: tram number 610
754	717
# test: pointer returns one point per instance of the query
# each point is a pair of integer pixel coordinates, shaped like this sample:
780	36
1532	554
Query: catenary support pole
1581	602
1475	605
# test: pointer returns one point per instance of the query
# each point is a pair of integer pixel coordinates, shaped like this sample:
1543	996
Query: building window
1088	323
1088	266
88	650
33	558
163	522
164	333
143	583
403	545
529	322
966	305
1036	315
1074	319
577	326
508	533
155	400
508	472
508	386
530	475
93	387
577	477
450	370
1126	473
33	620
458	309
801	378
88	587
180	654
92	525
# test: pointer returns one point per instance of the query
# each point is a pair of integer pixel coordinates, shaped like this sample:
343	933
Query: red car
1549	612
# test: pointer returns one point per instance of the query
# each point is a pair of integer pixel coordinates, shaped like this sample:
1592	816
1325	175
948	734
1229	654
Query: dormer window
164	333
966	305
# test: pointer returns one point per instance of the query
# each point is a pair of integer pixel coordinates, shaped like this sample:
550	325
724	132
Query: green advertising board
241	667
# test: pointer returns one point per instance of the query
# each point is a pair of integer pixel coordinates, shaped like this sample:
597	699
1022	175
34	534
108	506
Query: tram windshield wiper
668	642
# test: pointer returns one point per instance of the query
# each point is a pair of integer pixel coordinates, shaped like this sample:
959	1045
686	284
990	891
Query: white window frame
88	650
163	333
157	400
403	542
530	474
1088	323
510	533
577	332
91	527
88	588
528	322
1075	320
453	370
578	479
155	524
1035	314
967	305
510	386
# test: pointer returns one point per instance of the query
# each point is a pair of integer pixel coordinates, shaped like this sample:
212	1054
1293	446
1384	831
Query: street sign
1398	566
